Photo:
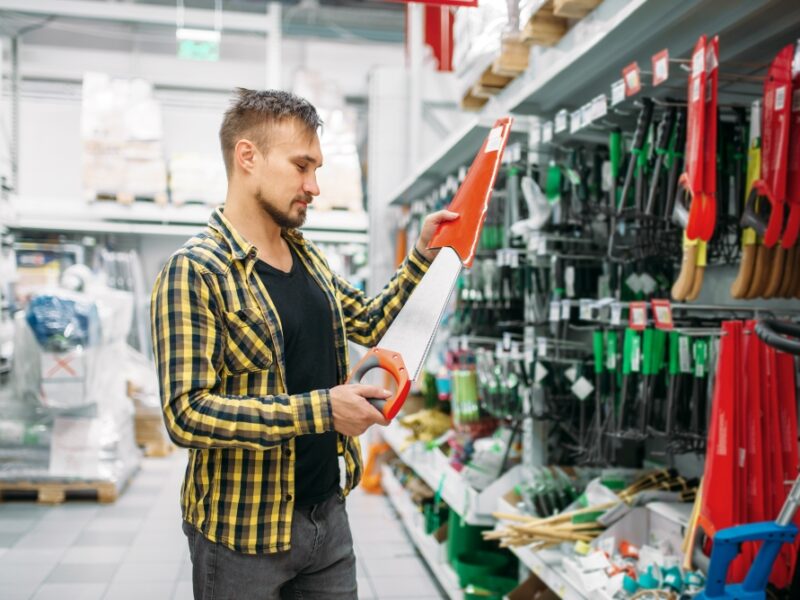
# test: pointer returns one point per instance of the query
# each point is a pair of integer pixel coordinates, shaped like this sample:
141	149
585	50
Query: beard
284	219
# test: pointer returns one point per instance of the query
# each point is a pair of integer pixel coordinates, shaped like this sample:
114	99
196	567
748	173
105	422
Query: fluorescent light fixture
197	35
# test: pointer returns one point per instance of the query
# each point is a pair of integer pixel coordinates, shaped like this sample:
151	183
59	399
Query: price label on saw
684	355
599	107
582	388
541	347
780	98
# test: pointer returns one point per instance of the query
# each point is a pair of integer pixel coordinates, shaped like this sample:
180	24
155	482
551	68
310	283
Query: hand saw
405	345
793	184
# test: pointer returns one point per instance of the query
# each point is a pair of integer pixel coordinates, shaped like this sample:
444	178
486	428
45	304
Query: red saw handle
793	180
708	219
695	139
392	363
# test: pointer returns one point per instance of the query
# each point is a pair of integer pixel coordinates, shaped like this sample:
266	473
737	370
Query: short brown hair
251	114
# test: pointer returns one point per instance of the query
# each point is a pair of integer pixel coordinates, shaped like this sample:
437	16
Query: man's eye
302	168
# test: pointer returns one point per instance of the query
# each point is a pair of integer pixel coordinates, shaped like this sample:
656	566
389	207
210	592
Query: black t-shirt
309	353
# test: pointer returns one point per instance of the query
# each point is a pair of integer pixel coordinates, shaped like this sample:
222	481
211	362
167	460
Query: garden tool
744	278
406	343
790	233
764	210
692	180
675	155
772	535
661	148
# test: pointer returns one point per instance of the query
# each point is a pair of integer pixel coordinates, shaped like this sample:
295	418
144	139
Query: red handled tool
405	345
793	184
767	217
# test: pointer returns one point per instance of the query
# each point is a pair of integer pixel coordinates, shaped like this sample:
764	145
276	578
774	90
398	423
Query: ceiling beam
138	13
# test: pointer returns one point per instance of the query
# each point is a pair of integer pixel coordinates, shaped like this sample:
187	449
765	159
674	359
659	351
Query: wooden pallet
126	198
158	448
471	102
574	9
48	492
513	58
544	28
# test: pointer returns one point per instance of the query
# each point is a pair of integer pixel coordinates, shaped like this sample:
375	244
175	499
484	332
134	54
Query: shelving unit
546	564
432	552
432	467
578	68
177	221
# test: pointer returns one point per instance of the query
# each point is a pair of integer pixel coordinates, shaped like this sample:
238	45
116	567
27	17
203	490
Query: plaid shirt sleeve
188	342
367	319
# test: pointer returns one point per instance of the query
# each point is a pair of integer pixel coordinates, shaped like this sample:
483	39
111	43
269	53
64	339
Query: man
250	329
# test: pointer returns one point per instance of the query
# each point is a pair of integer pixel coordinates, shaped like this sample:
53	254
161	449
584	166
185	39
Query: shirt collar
240	247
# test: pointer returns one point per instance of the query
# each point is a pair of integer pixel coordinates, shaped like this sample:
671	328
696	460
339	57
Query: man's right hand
352	413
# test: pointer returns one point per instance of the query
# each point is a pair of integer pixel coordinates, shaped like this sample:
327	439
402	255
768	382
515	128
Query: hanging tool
661	148
764	210
790	233
405	345
744	278
772	534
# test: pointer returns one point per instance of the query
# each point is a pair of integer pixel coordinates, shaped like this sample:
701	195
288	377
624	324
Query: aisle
135	549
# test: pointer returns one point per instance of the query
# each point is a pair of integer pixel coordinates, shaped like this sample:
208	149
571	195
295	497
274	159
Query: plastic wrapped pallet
121	133
69	418
197	178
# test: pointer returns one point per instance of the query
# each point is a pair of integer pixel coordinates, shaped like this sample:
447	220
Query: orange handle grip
392	363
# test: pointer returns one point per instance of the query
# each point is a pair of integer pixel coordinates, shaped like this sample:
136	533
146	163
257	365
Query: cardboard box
532	588
63	384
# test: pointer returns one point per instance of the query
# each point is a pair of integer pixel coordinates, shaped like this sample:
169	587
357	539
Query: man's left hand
429	227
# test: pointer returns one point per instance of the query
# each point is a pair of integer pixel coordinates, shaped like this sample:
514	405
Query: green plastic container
463	538
489	587
473	566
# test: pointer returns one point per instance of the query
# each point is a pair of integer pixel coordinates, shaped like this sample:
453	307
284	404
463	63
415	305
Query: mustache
307	198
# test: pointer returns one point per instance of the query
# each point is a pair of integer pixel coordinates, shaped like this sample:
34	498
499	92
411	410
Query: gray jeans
321	563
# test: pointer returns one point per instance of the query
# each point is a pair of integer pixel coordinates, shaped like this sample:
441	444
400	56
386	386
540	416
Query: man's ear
245	155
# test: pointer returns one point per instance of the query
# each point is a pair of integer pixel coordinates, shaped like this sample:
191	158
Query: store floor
134	549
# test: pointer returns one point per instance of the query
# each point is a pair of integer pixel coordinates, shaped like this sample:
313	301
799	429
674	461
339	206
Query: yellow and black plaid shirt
219	351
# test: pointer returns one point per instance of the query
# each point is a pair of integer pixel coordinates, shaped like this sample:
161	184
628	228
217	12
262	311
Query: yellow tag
582	548
702	253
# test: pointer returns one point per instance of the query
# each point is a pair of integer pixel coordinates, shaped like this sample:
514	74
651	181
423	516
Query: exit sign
198	44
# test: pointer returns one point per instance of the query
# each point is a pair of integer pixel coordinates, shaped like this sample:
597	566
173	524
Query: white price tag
636	358
698	63
684	355
528	356
539	372
535	135
462	173
555	311
561	121
647	284
547	132
541	346
571	373
634	283
780	97
599	107
585	309
616	313
582	388
569	280
611	361
575	121
495	139
566	306
695	89
617	92
506	341
586	114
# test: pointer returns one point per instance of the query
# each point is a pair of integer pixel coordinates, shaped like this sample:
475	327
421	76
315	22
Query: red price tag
660	67
637	315
662	314
632	78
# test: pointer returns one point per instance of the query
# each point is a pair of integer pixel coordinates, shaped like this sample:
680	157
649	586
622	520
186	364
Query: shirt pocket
248	342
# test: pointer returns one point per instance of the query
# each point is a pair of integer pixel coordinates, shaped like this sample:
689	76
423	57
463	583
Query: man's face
285	175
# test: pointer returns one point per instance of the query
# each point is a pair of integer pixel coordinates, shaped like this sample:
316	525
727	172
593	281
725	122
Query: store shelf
547	565
431	465
591	56
176	221
432	552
